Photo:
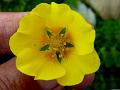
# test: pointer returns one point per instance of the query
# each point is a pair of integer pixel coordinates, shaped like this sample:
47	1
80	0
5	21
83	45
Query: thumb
12	79
9	22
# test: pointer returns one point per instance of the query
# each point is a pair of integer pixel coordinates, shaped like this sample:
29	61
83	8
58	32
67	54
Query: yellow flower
55	42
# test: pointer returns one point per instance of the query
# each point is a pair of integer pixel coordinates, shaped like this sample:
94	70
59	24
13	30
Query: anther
63	49
53	56
64	43
55	49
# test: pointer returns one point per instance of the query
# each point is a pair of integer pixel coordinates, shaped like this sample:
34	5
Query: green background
107	42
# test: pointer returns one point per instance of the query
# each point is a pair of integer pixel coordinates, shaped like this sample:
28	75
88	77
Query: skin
10	77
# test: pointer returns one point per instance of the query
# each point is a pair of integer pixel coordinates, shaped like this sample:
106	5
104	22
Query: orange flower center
58	44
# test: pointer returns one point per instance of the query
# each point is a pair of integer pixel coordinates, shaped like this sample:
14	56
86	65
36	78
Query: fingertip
9	22
53	85
87	81
50	85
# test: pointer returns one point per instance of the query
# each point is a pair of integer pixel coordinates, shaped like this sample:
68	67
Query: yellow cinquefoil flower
55	42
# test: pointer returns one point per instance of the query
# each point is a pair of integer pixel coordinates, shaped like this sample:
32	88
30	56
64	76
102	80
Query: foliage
107	44
27	5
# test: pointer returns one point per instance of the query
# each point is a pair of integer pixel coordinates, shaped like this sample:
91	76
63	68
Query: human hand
10	77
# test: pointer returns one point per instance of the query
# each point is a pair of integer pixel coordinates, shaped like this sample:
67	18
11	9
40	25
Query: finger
12	79
50	85
87	81
8	25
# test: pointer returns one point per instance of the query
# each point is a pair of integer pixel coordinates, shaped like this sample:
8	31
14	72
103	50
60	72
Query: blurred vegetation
107	42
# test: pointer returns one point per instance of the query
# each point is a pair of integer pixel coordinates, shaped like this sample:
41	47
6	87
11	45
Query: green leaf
62	32
69	45
72	3
44	48
49	33
107	57
116	56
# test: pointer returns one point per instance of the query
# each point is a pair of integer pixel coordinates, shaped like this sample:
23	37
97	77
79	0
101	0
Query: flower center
57	44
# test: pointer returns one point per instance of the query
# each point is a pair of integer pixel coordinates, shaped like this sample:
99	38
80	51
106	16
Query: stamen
55	49
63	49
53	56
57	44
64	43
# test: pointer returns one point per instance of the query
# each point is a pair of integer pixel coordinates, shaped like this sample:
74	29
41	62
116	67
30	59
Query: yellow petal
61	14
29	61
50	70
77	66
55	15
52	10
58	9
32	62
42	10
32	25
74	74
19	41
83	34
89	63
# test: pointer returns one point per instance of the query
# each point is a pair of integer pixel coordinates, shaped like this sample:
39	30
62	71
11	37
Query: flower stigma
58	44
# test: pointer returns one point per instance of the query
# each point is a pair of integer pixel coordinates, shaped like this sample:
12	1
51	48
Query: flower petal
29	61
19	41
74	74
89	63
83	34
77	66
42	10
60	13
52	11
32	25
50	70
32	62
54	14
